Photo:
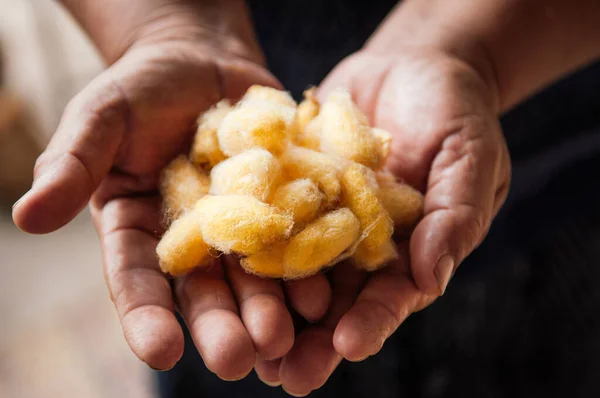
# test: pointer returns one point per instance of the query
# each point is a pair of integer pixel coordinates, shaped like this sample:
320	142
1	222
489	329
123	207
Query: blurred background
59	334
519	319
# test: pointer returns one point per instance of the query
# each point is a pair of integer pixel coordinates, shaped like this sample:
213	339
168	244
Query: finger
79	156
459	203
211	314
310	297
141	293
504	178
263	311
268	371
388	298
313	358
500	198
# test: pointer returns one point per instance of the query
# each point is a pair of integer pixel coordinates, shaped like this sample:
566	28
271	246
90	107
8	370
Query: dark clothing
304	40
520	319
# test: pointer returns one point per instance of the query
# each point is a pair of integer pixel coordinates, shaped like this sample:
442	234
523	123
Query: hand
448	143
113	140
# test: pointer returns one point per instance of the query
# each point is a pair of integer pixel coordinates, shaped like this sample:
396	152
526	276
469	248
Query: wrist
516	46
116	26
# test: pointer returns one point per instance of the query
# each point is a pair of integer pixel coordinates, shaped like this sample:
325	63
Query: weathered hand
448	143
112	142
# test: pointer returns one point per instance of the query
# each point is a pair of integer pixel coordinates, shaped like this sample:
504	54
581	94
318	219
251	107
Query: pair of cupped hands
124	127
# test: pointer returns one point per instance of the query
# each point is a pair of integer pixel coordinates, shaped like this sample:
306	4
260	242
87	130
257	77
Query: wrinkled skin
112	142
448	143
119	132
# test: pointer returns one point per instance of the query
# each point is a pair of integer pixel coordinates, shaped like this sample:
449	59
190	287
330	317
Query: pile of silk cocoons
289	188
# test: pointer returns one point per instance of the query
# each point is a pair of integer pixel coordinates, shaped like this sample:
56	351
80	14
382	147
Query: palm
231	316
118	134
161	91
114	139
447	142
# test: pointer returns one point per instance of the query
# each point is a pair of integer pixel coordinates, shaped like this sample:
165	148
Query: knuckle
103	106
475	137
131	288
107	109
40	163
474	227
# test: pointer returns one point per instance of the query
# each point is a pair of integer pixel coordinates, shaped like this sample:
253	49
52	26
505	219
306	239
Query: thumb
78	157
460	201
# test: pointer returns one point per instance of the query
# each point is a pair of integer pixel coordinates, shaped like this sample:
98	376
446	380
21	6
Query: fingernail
271	384
161	370
232	379
19	201
294	394
443	272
